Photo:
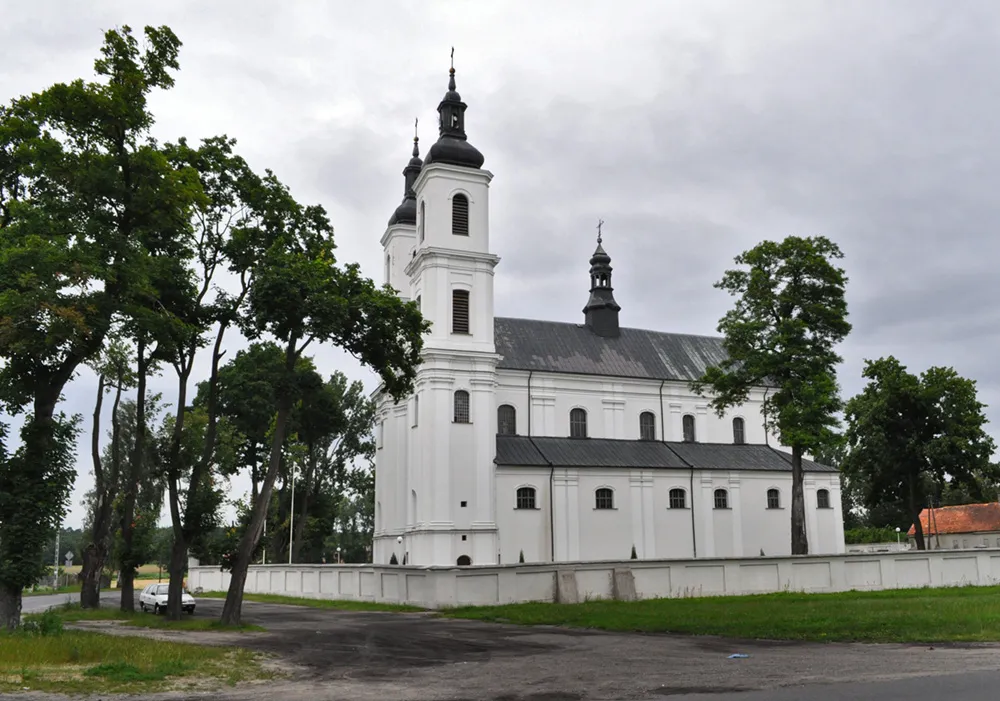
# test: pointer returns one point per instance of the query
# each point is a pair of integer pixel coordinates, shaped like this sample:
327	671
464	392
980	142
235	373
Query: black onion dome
406	212
452	146
600	257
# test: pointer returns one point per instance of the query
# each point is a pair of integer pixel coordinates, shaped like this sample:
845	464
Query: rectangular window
416	410
381	433
460	311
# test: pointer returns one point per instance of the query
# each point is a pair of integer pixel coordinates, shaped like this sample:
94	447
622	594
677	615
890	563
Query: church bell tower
451	502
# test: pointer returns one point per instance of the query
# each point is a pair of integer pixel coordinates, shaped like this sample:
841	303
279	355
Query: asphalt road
340	656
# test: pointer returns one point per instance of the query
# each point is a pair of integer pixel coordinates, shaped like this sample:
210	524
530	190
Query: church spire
406	212
601	312
452	146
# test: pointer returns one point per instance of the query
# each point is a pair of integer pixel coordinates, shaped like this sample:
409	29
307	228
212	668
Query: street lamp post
338	554
897	535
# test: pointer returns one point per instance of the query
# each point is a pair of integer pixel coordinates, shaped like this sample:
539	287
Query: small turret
601	312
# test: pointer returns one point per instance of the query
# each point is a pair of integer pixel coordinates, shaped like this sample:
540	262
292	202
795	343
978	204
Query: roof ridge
623	328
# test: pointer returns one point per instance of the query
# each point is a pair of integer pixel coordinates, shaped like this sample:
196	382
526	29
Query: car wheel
142	607
156	609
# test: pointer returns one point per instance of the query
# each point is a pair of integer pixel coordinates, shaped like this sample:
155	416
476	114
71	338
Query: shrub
45	624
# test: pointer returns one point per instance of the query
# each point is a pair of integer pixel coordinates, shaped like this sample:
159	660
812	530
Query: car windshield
161	589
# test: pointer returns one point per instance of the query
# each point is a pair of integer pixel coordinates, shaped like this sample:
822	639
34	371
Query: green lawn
316	603
71	589
906	615
79	662
73	612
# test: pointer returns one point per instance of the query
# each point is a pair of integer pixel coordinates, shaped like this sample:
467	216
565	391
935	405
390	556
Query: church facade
539	441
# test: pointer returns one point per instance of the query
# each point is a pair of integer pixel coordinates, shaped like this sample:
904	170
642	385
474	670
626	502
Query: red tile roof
971	518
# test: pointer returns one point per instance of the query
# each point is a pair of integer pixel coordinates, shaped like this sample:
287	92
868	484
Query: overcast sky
695	129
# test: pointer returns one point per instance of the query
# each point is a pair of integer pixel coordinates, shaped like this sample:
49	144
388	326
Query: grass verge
82	662
957	614
71	589
73	612
316	603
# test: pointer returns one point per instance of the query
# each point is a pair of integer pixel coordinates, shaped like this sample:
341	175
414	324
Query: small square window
465	537
464	504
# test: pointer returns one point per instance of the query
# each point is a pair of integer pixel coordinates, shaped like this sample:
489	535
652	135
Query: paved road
974	686
36	604
336	656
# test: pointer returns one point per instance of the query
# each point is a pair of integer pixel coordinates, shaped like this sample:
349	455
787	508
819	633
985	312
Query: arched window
739	431
604	498
688	424
822	499
388	265
678	499
721	499
773	499
506	420
525	498
578	423
423	215
463	561
416	410
461	407
460	311
460	215
647	426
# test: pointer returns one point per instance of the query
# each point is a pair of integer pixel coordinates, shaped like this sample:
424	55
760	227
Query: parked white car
154	598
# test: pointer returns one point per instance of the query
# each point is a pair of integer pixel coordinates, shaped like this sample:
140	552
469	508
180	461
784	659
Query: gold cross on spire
600	223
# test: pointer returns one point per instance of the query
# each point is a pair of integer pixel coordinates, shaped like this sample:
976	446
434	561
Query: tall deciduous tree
789	314
235	205
908	434
85	197
114	374
300	296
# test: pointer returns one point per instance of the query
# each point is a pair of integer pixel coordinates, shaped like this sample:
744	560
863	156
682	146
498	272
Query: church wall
642	515
613	407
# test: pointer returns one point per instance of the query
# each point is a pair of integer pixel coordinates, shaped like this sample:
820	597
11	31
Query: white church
551	441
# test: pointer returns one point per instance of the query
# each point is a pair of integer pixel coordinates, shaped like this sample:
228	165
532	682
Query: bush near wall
866	535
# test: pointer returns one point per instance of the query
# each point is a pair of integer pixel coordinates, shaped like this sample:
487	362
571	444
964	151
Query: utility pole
55	563
291	519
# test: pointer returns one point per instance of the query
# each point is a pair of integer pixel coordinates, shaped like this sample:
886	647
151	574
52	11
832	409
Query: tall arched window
460	215
647	426
578	423
739	431
822	499
721	499
688	424
423	216
678	498
461	407
525	498
773	499
604	498
460	311
506	420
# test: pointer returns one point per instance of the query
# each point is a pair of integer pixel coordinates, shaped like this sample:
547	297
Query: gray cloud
694	129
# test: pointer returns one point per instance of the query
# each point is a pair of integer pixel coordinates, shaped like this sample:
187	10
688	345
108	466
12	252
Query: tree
300	296
83	192
114	373
789	314
910	434
235	205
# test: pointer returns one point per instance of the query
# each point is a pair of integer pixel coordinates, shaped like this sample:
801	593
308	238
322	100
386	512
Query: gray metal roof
553	346
545	451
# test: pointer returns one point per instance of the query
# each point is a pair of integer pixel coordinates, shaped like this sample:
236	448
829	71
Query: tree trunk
800	540
95	553
915	516
10	606
178	552
232	610
128	564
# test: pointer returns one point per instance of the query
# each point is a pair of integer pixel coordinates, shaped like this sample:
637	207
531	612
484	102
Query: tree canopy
912	436
790	313
87	201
